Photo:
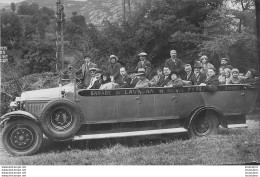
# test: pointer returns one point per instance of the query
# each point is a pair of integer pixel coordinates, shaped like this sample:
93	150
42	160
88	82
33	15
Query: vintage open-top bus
67	113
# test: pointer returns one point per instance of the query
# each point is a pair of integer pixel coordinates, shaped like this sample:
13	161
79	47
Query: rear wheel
204	124
22	137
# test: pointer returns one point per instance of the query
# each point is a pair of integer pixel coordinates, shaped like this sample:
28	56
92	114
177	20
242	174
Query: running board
127	134
237	126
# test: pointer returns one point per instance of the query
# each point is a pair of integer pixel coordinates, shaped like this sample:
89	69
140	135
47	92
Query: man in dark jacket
224	63
84	70
211	83
175	64
134	79
114	68
124	80
144	63
198	76
165	79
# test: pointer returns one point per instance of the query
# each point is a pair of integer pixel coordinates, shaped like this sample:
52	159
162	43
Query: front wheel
203	125
22	137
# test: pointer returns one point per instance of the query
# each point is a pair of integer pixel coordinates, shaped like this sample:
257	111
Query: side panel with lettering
128	104
146	106
91	105
164	103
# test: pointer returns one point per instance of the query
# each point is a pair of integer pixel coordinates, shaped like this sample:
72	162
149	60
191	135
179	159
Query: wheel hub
21	138
61	119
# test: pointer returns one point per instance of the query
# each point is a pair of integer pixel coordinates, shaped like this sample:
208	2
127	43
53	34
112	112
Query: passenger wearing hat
144	63
175	80
143	81
211	83
92	72
174	63
98	80
199	76
84	70
224	63
204	60
114	68
156	78
234	79
134	79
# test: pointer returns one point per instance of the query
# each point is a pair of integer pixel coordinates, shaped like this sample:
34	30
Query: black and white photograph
130	83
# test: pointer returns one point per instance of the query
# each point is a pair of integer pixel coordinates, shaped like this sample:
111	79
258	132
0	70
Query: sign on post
3	56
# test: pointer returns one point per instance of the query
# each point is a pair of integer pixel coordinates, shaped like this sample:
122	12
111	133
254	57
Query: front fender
18	115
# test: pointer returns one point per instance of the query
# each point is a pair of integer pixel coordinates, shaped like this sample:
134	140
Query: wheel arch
202	109
15	115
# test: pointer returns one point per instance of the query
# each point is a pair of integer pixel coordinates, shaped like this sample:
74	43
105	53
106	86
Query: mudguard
18	115
198	110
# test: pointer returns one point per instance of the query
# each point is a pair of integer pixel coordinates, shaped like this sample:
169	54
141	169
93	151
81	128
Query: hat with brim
113	57
227	59
93	69
197	64
142	54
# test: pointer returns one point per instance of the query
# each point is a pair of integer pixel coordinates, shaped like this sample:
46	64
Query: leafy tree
39	56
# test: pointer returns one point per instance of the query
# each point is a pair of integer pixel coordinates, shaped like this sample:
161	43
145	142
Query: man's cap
142	54
87	56
227	59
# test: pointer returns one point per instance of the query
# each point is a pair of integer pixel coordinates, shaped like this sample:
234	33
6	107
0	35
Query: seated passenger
250	76
123	80
98	81
106	82
211	83
155	80
134	79
227	72
234	79
204	60
175	80
224	63
189	76
92	72
165	79
199	77
143	81
222	76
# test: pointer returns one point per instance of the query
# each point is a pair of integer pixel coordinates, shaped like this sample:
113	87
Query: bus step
127	134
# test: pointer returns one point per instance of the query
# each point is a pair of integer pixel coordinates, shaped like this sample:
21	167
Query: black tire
60	120
204	124
22	137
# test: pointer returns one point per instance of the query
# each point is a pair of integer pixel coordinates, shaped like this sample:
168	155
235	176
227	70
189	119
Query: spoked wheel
60	120
22	137
204	124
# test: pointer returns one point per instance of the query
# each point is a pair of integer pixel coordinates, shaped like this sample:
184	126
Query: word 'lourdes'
149	91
